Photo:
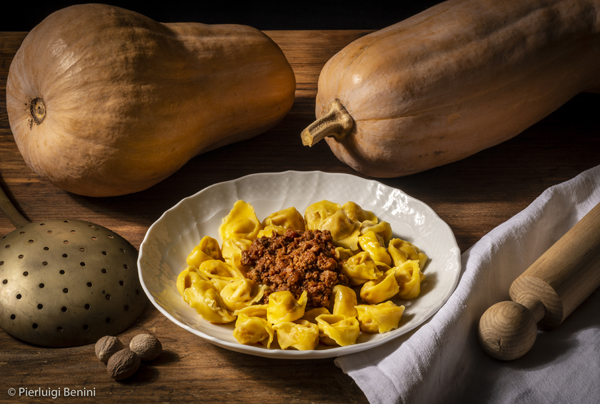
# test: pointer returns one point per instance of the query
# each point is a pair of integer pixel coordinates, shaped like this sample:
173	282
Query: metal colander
66	282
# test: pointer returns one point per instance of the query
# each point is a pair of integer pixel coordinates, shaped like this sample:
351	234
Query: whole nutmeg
107	346
123	364
146	346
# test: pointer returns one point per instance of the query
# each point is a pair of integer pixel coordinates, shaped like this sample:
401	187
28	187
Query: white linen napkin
442	361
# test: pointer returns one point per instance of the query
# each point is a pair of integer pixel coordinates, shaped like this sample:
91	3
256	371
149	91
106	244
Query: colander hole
30	241
62	272
42	224
104	253
65	255
12	316
25	273
5	281
87	306
73	231
137	291
1	262
19	296
44	263
107	297
66	241
82	264
42	285
121	283
107	320
89	284
91	225
34	325
66	221
21	256
65	290
122	250
49	231
110	236
126	307
125	266
85	327
7	246
59	329
63	309
40	306
103	270
94	238
82	249
46	248
21	232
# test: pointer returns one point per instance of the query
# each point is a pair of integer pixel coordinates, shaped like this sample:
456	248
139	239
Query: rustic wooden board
472	196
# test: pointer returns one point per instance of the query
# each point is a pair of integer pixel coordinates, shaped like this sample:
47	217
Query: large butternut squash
455	79
104	101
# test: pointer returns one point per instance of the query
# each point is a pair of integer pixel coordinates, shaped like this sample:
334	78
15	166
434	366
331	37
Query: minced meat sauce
296	261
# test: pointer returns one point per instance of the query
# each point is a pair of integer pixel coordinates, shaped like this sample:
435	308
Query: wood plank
473	196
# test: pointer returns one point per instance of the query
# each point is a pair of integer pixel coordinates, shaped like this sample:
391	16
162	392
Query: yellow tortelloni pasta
374	244
360	268
312	314
256	310
205	299
269	231
381	229
344	300
186	278
402	251
219	273
379	318
287	219
358	214
232	252
409	278
316	213
325	215
336	329
381	289
241	222
301	334
253	330
343	254
207	249
283	307
241	292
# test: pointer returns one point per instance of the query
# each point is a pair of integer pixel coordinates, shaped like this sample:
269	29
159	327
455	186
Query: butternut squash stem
337	123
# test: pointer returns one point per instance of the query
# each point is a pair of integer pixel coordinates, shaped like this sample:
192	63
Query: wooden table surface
472	196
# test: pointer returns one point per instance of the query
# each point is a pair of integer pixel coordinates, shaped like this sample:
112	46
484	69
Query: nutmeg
107	346
123	364
146	346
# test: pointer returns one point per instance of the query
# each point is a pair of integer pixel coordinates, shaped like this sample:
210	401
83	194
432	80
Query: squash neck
337	123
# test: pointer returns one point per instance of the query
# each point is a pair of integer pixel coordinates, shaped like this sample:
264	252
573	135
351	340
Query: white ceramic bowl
173	236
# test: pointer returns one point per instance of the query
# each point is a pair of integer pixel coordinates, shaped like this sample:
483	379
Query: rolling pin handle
534	305
508	330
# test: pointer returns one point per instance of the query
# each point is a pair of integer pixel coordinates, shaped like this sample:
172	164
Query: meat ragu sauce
296	261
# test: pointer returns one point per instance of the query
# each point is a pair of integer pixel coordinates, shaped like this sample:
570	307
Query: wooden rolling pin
546	293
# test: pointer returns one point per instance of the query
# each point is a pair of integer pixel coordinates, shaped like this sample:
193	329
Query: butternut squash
453	80
103	101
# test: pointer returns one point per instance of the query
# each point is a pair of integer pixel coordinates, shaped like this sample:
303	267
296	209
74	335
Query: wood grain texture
473	196
546	293
566	274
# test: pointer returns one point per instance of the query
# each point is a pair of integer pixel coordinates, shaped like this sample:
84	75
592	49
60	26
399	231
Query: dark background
264	15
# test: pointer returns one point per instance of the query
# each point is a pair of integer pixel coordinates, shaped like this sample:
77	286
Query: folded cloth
442	361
